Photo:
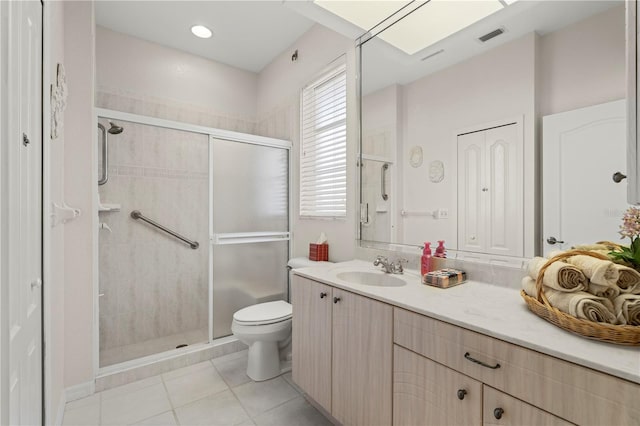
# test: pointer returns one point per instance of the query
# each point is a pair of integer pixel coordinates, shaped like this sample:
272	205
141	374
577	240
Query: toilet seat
264	313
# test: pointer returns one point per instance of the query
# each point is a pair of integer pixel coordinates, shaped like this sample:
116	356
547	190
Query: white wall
131	67
278	111
54	264
496	85
79	177
583	64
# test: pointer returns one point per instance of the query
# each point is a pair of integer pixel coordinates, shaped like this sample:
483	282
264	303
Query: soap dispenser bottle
440	250
425	263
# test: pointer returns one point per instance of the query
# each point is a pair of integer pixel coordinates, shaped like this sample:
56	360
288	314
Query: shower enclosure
194	225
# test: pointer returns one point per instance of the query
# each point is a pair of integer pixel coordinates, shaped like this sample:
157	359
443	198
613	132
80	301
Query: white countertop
488	309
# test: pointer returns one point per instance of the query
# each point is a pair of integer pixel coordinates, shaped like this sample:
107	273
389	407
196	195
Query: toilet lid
264	313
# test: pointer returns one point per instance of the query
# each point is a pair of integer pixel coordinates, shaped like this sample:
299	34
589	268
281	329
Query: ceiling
246	34
250	34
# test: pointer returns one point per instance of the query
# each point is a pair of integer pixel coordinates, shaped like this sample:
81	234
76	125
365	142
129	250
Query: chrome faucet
390	267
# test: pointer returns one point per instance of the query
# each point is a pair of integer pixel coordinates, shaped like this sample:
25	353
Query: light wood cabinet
501	409
368	363
311	338
490	191
427	393
342	358
569	391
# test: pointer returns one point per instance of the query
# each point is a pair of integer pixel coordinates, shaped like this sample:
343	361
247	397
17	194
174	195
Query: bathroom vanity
468	355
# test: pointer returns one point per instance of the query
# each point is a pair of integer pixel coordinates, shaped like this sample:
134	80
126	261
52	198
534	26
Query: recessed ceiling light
201	31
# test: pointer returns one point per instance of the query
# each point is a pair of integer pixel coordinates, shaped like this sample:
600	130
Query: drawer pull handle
323	295
497	413
493	367
461	394
336	299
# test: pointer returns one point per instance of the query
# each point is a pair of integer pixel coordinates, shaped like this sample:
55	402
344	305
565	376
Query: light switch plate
442	214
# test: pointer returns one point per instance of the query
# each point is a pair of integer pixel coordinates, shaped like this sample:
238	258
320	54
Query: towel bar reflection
136	214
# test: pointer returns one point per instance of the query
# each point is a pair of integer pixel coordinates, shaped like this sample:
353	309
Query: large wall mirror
496	126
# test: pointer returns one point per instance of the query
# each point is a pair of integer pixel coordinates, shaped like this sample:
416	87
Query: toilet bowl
266	329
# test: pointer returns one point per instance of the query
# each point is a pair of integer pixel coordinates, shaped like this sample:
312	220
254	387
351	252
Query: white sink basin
379	279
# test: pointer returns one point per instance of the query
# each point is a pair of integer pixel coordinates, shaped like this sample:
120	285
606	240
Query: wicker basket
619	334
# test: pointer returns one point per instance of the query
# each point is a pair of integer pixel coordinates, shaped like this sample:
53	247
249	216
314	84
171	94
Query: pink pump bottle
440	250
425	263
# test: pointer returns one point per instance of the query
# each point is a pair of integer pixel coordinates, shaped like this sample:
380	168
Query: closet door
471	194
502	192
21	213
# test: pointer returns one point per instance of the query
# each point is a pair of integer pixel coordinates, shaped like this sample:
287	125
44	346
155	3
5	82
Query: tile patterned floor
216	392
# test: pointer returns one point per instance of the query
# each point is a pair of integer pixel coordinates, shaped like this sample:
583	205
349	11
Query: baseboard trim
79	391
60	413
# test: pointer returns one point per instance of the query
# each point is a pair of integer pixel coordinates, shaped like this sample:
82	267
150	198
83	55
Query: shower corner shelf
109	207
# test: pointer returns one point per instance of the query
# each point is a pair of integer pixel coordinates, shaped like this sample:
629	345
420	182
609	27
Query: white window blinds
323	154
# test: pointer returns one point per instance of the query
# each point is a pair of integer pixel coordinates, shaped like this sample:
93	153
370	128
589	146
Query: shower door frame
212	134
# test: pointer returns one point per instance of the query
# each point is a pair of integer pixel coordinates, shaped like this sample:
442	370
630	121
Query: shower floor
150	347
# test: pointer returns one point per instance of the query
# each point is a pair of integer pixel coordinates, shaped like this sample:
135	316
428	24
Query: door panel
24	213
250	201
504	215
311	338
426	393
582	149
471	160
512	411
362	360
250	187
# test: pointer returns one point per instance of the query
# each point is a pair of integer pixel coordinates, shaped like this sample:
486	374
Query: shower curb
115	376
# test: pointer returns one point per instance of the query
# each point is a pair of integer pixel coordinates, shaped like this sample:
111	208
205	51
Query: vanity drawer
578	394
500	409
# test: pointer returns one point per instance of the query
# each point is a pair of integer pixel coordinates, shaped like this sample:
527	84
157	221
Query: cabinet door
362	360
427	393
501	409
311	338
471	209
503	191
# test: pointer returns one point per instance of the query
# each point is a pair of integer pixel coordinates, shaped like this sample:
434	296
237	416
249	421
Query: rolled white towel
627	309
628	280
580	304
608	291
598	271
559	275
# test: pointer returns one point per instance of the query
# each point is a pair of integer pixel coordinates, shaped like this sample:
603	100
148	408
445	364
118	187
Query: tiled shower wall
151	284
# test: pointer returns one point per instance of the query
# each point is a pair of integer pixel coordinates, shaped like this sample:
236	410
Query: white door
490	182
471	227
582	149
502	191
22	223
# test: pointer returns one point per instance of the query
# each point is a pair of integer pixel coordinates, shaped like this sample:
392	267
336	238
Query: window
323	153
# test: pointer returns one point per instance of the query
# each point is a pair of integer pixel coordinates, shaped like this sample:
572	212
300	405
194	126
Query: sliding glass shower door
250	205
192	229
153	286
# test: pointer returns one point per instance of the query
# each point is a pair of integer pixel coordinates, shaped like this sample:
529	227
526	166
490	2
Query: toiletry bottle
440	250
425	263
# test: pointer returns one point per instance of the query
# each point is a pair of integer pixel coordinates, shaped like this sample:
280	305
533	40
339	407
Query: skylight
430	23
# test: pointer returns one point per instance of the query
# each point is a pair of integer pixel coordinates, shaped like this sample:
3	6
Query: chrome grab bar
383	188
105	154
137	215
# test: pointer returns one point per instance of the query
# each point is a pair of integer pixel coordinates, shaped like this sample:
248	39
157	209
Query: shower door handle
383	186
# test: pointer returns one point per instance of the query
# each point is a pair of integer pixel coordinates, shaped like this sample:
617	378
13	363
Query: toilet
266	329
